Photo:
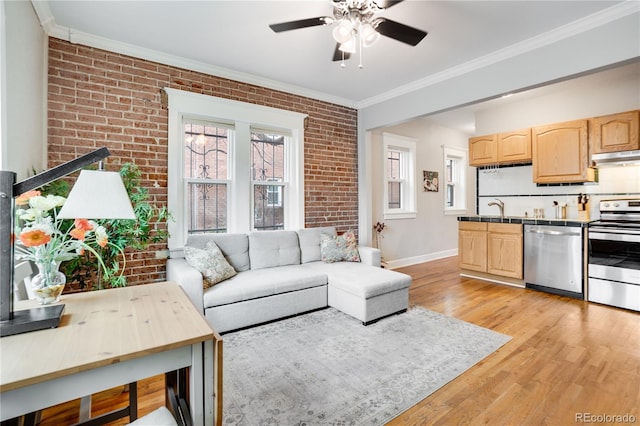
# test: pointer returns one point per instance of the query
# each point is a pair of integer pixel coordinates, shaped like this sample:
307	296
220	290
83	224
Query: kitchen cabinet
494	248
502	148
504	249
483	150
561	153
514	147
615	132
472	246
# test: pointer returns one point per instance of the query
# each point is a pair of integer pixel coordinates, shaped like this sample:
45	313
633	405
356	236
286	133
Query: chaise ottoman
365	293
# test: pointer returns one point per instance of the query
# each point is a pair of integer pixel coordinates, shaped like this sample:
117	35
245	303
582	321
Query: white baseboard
399	263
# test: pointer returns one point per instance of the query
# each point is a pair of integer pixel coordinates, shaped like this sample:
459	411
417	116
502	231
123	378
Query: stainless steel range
614	255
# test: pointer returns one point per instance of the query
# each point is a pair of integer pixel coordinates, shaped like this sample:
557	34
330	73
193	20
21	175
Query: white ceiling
232	38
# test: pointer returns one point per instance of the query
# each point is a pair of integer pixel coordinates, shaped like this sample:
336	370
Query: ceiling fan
358	25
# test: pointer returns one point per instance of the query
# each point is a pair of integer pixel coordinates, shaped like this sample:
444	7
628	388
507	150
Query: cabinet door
614	133
472	246
560	153
514	147
505	250
483	150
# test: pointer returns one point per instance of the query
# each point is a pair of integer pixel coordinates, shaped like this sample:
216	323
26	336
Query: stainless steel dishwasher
553	259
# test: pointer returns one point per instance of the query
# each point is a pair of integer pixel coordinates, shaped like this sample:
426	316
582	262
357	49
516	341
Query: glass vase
48	283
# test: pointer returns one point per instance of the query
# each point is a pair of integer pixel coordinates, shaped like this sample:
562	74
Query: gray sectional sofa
280	273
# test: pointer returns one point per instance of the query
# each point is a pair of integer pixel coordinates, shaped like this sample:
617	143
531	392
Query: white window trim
461	155
243	116
407	145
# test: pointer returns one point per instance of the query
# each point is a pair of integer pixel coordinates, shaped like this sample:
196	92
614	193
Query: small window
455	163
399	175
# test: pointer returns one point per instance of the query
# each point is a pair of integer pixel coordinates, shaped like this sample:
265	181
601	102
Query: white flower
44	204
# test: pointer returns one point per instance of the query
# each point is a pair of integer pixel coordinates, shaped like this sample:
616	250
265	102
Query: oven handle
609	236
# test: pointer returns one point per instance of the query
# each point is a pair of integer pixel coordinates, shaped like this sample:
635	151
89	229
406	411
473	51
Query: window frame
459	156
408	180
242	117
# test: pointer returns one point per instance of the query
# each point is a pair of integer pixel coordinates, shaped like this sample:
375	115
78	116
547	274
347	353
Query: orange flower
34	238
77	233
24	198
83	224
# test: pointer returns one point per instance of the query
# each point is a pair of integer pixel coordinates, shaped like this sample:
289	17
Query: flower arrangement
48	241
379	227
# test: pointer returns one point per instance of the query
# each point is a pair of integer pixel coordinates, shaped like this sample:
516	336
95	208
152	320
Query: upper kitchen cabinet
561	153
615	132
483	150
514	147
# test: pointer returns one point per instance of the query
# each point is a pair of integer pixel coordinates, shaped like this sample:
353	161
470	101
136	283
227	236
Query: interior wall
615	41
589	96
23	93
432	234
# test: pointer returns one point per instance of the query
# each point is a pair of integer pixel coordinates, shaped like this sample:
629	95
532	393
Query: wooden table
108	338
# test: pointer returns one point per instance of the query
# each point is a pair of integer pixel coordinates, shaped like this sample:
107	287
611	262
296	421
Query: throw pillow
339	248
210	262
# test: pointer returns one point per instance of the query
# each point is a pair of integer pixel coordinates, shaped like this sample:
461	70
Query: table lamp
95	195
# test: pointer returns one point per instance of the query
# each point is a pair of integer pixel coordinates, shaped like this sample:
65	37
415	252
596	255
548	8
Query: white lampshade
342	32
349	46
369	35
97	194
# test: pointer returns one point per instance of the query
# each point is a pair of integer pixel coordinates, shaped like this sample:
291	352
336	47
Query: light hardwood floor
566	358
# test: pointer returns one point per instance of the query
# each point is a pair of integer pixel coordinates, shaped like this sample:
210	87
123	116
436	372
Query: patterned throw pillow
339	248
210	262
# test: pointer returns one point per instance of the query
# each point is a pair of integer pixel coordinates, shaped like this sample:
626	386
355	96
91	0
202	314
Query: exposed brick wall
98	98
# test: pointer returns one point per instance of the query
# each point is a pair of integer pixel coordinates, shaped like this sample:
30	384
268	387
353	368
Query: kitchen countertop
524	220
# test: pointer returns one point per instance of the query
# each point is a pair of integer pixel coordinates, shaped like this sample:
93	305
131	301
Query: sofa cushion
361	280
258	283
234	247
210	262
310	242
268	249
339	248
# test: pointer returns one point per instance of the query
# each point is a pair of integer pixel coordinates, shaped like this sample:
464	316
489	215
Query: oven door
614	268
614	255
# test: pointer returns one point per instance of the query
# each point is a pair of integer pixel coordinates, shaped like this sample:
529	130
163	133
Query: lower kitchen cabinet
494	248
505	252
472	246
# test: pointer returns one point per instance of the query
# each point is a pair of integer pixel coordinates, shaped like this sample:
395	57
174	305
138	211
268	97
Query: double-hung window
455	166
268	178
233	166
206	175
399	177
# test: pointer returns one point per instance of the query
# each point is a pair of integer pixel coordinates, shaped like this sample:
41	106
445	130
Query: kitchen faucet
500	204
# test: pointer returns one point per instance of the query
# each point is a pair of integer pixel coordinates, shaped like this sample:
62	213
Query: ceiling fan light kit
357	26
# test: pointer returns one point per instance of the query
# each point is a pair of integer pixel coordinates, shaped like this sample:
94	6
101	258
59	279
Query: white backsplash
514	186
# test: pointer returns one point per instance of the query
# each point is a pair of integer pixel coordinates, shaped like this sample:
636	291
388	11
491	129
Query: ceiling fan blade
386	4
302	23
337	54
400	32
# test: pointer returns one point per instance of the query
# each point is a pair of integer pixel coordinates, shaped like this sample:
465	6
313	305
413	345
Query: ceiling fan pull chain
360	49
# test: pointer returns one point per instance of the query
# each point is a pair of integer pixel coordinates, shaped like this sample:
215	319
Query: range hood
617	158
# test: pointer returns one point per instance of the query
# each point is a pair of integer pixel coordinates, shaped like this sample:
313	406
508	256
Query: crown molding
605	16
613	13
47	20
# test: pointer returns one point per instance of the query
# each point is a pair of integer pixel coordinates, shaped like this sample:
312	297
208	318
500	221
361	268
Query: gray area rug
326	368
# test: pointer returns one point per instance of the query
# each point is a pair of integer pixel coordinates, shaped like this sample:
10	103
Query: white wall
24	142
589	96
432	234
